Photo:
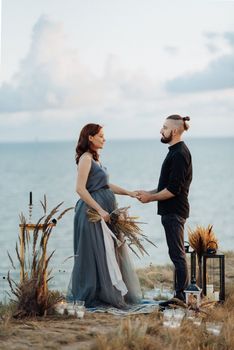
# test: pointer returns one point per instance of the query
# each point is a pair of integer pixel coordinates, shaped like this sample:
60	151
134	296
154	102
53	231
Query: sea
48	168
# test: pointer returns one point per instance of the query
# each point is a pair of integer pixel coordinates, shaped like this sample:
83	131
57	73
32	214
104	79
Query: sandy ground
60	332
69	333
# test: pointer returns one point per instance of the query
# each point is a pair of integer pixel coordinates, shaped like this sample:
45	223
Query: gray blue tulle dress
90	280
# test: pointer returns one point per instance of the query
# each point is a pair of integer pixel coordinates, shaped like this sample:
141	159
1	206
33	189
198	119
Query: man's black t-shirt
176	176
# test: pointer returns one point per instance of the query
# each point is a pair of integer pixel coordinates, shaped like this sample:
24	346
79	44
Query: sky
124	64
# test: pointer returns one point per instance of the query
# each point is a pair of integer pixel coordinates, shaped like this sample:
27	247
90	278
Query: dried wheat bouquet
125	227
202	238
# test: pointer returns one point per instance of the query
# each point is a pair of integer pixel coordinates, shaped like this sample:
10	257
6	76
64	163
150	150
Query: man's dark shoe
173	301
180	295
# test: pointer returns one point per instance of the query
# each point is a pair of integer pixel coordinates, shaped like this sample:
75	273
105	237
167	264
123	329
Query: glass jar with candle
71	309
79	306
60	307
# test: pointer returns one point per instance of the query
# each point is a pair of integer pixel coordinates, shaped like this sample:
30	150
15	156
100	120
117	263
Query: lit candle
60	307
30	198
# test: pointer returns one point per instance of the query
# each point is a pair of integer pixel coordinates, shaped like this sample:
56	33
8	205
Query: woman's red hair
84	144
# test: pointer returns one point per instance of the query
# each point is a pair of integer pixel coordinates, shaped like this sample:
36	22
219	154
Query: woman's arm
122	191
84	167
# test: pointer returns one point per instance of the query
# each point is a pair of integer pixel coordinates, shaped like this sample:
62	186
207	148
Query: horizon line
110	139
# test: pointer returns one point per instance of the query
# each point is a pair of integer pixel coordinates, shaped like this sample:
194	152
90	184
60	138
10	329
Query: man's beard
167	139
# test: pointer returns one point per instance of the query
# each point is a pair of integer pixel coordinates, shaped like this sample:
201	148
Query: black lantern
213	276
193	295
211	267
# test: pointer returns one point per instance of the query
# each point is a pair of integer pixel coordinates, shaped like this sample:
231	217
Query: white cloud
230	37
49	75
54	93
217	75
171	50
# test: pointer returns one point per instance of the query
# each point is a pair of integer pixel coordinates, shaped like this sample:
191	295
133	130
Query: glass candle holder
171	319
190	314
60	307
197	321
79	306
168	314
71	309
179	314
214	327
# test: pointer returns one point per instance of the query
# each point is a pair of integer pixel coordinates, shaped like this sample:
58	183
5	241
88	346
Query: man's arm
146	197
153	191
150	192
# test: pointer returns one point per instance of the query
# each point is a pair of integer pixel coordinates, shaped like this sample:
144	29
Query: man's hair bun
186	118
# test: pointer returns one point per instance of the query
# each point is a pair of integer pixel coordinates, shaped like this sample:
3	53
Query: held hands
133	194
143	196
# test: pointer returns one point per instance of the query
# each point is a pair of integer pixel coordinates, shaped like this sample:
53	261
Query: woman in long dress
92	278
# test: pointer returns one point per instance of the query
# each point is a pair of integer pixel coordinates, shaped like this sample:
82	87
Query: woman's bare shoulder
85	159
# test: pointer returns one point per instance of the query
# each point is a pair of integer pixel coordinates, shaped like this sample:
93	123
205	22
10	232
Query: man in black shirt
172	196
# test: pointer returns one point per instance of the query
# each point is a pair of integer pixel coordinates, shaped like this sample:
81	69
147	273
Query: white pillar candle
216	296
209	290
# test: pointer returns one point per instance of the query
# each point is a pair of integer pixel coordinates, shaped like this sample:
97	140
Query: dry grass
152	276
148	332
107	332
138	332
